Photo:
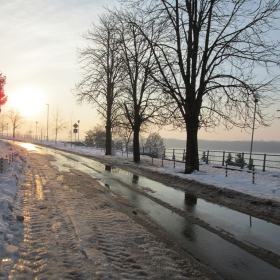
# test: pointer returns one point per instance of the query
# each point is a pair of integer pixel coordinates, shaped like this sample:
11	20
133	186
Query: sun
29	100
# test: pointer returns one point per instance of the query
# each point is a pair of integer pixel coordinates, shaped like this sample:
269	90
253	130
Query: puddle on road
244	227
28	146
229	260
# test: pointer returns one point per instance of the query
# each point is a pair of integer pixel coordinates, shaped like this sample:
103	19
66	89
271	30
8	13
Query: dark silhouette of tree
229	159
123	133
239	160
156	143
101	72
16	119
3	97
209	55
203	157
141	97
96	136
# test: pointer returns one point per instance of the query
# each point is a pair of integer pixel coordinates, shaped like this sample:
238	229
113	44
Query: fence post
226	169
174	160
162	159
253	174
207	157
183	158
150	151
164	153
173	153
1	165
264	162
242	162
223	162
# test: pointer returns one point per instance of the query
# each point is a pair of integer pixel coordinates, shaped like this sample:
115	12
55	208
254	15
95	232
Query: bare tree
156	143
101	75
29	132
124	132
142	97
212	56
16	119
3	122
96	136
58	123
42	130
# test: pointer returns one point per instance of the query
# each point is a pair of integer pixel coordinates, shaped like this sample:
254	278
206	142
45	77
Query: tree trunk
136	144
14	132
108	121
192	161
108	138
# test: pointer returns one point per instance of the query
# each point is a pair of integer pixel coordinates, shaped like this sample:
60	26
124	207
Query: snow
9	179
267	184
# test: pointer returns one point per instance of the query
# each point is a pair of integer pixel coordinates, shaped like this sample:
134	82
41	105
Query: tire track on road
49	246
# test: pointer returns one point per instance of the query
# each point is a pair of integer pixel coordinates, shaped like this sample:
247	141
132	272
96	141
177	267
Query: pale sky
38	55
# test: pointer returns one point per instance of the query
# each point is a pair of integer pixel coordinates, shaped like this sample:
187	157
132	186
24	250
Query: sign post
75	130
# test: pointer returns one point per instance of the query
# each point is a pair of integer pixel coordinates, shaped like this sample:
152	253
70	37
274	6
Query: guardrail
263	161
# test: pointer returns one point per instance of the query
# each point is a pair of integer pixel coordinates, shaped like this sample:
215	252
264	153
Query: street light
36	131
256	99
48	122
78	129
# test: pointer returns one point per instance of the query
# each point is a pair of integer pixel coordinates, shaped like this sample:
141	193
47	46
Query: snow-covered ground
10	177
267	184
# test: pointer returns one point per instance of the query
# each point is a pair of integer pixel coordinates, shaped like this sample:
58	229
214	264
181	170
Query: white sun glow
29	101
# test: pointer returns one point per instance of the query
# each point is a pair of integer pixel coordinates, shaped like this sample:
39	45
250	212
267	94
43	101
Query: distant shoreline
244	146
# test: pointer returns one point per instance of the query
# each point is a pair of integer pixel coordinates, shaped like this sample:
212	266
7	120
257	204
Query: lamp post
36	131
78	129
256	97
48	122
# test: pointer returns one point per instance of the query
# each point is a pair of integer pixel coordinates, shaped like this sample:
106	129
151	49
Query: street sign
75	130
75	125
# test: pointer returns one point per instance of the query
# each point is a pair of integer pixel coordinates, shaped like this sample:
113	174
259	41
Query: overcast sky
38	55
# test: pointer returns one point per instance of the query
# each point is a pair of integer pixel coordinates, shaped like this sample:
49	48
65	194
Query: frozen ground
56	226
266	186
10	177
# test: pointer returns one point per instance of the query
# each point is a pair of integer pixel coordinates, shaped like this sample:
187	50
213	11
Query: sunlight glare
29	101
28	146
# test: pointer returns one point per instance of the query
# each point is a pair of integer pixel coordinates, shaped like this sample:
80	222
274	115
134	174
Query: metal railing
263	161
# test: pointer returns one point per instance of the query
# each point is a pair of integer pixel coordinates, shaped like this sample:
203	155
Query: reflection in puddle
28	146
190	200
108	168
135	179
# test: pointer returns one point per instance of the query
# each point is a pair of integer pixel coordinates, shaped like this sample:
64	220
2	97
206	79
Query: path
76	229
